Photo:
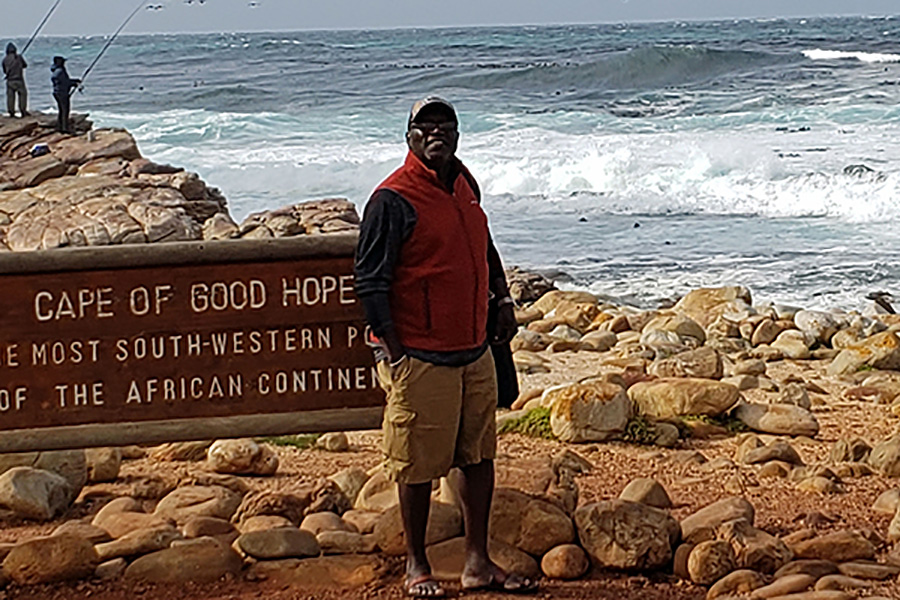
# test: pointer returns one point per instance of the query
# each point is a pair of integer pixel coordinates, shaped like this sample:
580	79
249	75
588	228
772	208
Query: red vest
439	295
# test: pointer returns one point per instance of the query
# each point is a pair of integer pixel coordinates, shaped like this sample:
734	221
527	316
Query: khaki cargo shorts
437	417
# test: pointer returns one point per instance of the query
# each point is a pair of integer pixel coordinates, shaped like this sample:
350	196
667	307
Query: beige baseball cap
419	105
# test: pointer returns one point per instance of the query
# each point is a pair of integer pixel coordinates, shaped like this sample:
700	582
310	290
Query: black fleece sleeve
388	221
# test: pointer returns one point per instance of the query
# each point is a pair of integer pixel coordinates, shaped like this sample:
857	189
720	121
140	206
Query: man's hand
506	327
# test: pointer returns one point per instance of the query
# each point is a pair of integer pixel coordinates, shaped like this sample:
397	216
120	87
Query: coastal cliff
95	189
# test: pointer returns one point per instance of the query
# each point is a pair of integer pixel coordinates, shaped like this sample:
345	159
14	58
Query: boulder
350	481
626	535
197	527
885	457
283	542
347	572
702	363
807	566
855	450
34	493
138	542
737	583
532	525
291	506
754	549
315	523
710	561
777	419
181	451
702	524
83	529
587	412
263	523
50	559
787	586
880	351
568	561
69	464
821	325
888	502
102	464
646	491
346	542
362	521
678	324
705	305
203	560
243	456
195	500
837	547
778	450
444	522
673	397
122	523
794	344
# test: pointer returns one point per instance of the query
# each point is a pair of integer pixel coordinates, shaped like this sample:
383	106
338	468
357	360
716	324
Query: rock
315	523
703	363
50	559
710	561
869	570
181	451
765	332
206	501
777	450
750	366
333	442
646	491
198	561
287	505
568	561
362	521
122	523
817	595
840	582
819	485
283	542
838	547
668	398
626	535
794	393
242	456
789	584
677	324
665	434
34	493
111	569
888	502
84	530
197	527
702	524
69	464
589	412
885	457
350	481
138	542
736	583
599	341
821	325
264	523
754	549
856	450
346	542
880	351
448	558
705	305
778	419
102	464
794	344
774	470
532	525
116	505
815	568
327	496
444	522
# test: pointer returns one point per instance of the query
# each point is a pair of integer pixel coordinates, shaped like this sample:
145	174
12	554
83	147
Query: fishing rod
111	40
41	26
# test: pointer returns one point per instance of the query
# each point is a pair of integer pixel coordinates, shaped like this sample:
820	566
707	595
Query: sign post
167	342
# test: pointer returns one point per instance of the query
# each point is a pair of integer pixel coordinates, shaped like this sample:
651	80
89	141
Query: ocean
638	161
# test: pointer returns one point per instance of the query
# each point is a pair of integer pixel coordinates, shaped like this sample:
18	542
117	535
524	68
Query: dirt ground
781	508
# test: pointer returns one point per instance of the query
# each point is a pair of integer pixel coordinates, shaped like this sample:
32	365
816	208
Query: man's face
433	136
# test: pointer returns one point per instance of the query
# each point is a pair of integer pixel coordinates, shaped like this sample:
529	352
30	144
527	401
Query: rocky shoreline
719	448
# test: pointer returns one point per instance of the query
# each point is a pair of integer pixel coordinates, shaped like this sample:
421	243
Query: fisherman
425	268
14	66
62	91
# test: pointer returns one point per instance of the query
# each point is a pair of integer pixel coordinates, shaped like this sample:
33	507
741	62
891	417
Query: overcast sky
90	17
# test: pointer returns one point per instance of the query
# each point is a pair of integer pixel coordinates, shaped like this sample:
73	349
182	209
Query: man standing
62	91
425	268
14	66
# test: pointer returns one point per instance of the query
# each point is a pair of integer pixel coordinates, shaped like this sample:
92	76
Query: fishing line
41	26
111	40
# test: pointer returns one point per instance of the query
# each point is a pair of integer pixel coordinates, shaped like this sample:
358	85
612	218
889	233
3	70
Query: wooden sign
182	341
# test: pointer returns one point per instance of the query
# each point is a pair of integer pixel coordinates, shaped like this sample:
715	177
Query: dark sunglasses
427	126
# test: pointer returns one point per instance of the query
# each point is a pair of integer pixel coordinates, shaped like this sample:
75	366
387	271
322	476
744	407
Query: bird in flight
155	7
